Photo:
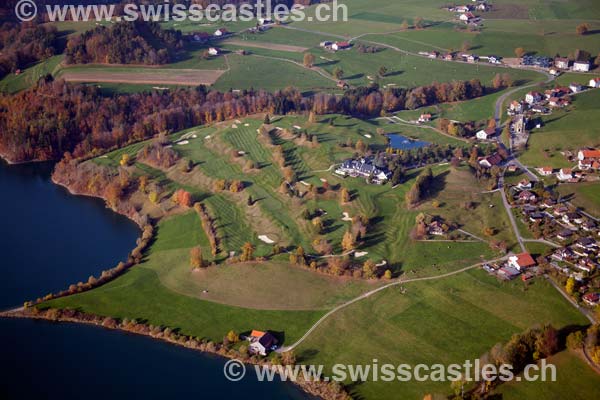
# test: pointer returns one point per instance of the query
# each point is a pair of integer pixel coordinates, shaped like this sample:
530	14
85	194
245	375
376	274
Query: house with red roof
521	261
588	158
340	46
591	299
261	342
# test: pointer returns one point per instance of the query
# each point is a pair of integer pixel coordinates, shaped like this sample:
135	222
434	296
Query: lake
401	142
50	239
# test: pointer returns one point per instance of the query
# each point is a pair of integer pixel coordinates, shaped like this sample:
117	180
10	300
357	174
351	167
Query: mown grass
445	321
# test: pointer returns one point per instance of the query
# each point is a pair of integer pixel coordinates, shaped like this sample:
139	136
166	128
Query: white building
213	51
595	83
581	66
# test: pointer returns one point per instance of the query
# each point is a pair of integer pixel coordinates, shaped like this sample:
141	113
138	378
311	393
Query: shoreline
321	389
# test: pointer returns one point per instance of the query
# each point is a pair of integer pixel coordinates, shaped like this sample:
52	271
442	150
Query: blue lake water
49	239
401	142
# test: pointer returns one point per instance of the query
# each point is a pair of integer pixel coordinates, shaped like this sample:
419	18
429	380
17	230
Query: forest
146	44
54	117
23	44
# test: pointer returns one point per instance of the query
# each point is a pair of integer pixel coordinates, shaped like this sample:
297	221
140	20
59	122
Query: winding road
377	290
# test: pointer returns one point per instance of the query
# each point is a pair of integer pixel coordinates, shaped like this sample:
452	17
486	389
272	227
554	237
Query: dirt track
270	46
153	76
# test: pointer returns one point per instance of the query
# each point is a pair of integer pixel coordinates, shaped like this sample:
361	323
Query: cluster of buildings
561	223
556	65
364	168
465	57
464	13
335	46
517	265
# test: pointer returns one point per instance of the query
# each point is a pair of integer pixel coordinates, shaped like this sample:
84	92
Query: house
564	234
533	97
588	225
561	62
586	158
261	342
591	299
536	216
548	202
342	85
201	37
485	134
490	161
508	272
586	264
521	261
565	174
516	106
494	59
435	228
575	87
462	9
448	56
563	254
524	184
594	83
560	211
221	32
544	171
365	168
572	218
265	21
340	46
424	118
554	72
585	243
467	16
526	196
326	44
213	51
581	66
482	7
471	58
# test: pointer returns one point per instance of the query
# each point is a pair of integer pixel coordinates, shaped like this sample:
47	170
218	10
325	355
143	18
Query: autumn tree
232	337
519	52
125	160
247	252
570	285
318	224
348	241
387	274
309	60
383	71
582	28
418	22
404	25
196	260
369	269
345	196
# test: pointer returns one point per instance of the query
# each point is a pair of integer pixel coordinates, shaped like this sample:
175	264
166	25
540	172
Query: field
447	321
141	75
584	195
264	45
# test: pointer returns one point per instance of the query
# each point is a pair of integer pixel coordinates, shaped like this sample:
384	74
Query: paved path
511	216
374	291
586	313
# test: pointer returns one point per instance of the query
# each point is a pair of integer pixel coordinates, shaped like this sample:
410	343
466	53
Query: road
374	291
586	313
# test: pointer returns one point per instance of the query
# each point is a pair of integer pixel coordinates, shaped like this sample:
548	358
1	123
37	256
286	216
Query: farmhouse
213	51
581	66
462	9
591	299
544	171
561	62
261	342
521	261
594	83
436	228
467	16
425	118
340	46
363	167
516	106
485	134
325	44
575	87
490	161
588	158
533	97
201	37
526	196
524	184
221	32
565	174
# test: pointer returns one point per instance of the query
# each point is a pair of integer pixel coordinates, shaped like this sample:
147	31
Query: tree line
54	117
